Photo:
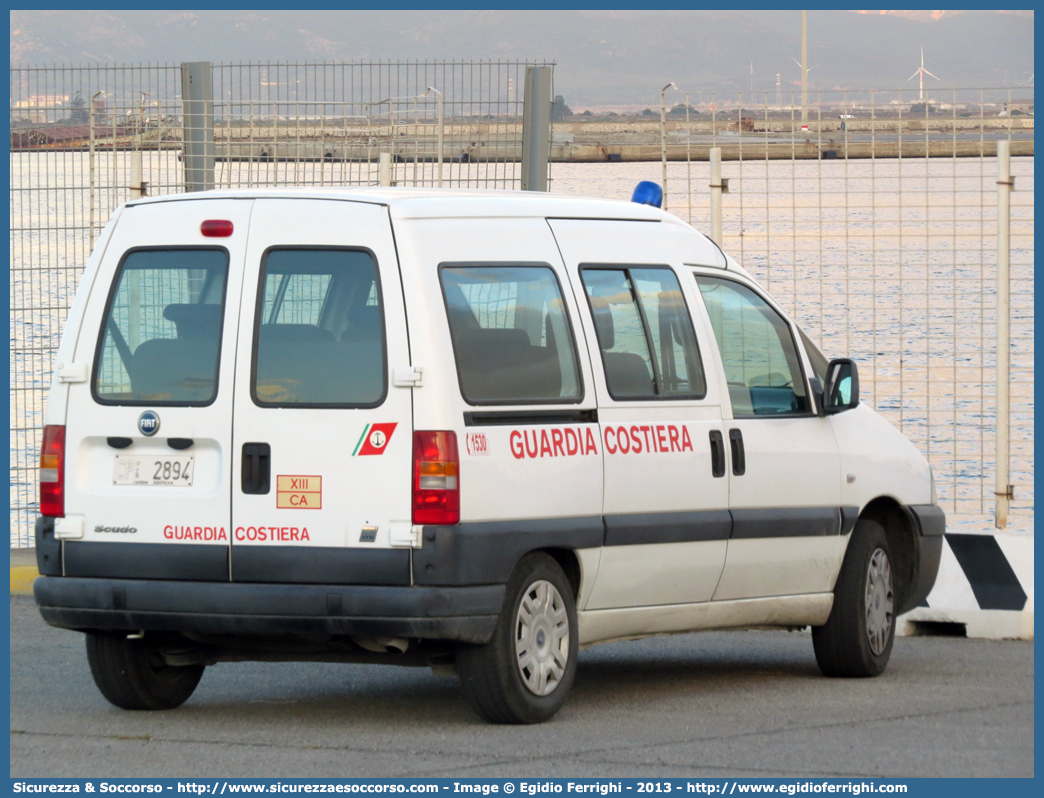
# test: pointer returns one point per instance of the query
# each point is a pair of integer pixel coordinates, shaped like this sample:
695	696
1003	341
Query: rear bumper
467	614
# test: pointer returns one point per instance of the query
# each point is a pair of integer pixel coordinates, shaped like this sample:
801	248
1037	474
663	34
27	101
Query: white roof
415	203
441	203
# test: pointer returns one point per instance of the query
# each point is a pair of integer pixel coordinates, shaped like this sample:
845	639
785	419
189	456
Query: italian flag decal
374	439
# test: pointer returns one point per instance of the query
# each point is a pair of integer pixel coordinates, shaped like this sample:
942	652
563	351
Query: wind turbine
799	64
804	85
922	72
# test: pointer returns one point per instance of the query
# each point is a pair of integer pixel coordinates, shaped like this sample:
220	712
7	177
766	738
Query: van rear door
322	442
148	432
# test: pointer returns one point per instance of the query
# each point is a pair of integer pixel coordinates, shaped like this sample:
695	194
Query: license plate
158	469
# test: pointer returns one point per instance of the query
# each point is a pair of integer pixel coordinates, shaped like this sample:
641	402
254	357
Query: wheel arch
901	531
569	562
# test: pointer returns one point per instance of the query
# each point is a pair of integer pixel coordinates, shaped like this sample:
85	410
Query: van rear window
162	333
319	339
511	335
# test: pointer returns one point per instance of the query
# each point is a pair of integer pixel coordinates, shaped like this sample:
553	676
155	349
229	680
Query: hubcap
542	638
880	600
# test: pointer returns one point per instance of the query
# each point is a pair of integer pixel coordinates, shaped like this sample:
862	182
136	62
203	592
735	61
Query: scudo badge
148	423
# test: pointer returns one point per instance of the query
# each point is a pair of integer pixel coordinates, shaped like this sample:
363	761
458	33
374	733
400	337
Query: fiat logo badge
148	423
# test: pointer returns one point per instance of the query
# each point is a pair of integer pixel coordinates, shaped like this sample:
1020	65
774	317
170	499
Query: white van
459	429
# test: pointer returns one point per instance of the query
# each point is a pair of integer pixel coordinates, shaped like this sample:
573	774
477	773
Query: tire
132	674
856	640
524	673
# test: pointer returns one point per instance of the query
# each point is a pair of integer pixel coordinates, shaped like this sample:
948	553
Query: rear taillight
52	472
436	489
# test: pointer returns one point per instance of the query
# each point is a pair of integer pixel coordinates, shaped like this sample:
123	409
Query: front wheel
132	674
523	674
856	640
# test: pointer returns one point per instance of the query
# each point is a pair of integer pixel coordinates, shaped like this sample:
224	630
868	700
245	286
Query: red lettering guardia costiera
638	438
557	442
271	534
195	533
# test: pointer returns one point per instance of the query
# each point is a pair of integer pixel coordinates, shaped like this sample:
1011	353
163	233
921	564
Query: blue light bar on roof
648	193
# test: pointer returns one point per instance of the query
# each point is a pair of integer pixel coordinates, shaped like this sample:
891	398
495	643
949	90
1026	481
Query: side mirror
842	386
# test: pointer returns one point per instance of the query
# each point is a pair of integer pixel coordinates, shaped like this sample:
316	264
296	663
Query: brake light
436	486
52	472
216	228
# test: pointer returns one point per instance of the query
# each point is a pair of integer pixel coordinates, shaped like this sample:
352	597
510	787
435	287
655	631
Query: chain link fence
875	226
86	139
874	223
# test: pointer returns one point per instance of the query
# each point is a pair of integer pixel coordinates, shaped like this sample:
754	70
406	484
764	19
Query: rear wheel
857	637
132	674
525	672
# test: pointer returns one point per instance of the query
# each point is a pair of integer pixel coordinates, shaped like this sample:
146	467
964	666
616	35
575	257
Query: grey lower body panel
477	552
109	586
687	527
928	569
182	561
465	614
320	565
930	518
777	522
931	522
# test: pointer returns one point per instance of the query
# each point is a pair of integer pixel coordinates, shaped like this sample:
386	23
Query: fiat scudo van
468	430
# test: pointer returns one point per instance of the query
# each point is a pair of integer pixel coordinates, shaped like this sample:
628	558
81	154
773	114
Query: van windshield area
511	335
162	333
319	339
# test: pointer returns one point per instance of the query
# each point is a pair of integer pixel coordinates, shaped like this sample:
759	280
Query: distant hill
602	56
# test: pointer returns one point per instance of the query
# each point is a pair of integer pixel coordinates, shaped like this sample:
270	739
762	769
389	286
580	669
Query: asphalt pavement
713	704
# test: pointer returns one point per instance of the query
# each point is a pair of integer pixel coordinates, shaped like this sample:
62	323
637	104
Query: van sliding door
666	487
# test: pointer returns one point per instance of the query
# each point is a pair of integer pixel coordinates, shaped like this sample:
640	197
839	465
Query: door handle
739	458
717	444
257	468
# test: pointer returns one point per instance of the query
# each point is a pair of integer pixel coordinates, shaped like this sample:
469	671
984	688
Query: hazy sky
601	56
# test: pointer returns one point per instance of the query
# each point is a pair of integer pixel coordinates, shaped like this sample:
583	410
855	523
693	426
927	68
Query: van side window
645	333
162	333
319	339
757	349
511	335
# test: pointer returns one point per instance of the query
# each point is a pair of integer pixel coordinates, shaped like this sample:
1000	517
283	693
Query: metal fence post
384	169
1003	491
536	128
688	158
441	130
137	188
90	170
442	133
197	98
663	144
715	187
663	137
